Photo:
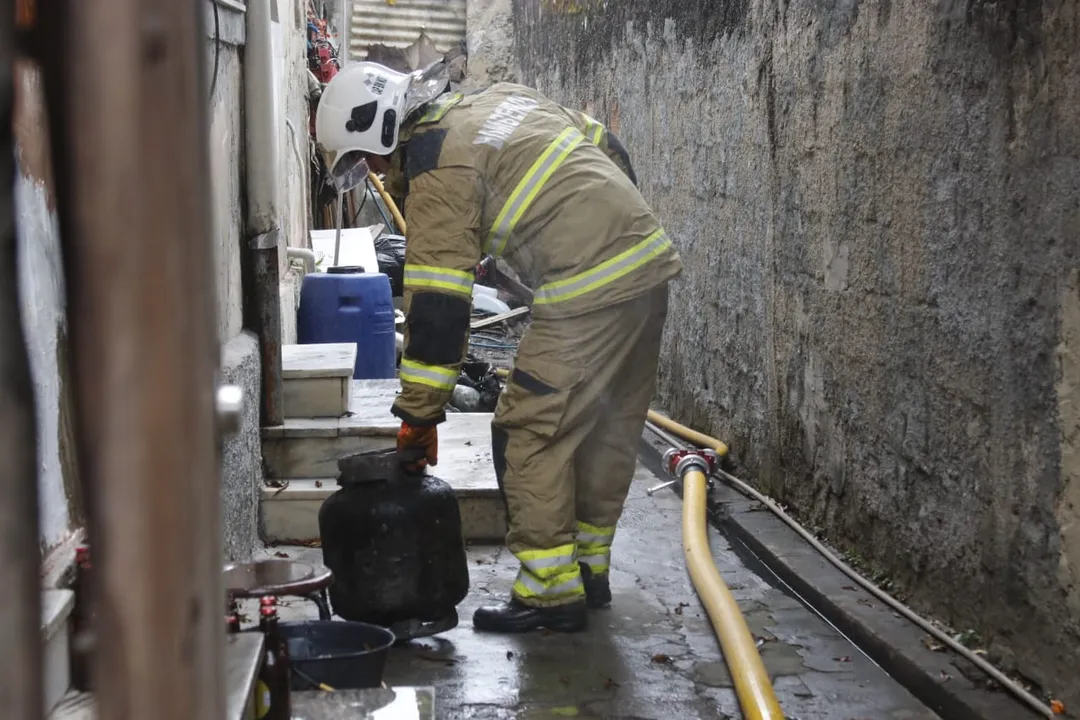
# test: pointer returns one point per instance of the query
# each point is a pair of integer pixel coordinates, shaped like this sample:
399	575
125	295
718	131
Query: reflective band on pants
436	376
594	546
427	276
551	574
605	273
529	187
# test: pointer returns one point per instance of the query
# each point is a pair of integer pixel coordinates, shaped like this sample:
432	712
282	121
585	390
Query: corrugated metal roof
399	25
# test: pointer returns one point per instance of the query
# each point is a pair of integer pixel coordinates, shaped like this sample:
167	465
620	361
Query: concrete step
290	515
310	448
317	379
304	452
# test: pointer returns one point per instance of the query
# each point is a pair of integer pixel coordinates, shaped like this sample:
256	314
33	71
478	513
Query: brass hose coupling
678	462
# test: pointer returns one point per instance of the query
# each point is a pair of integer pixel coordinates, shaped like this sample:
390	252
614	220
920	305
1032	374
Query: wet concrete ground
653	654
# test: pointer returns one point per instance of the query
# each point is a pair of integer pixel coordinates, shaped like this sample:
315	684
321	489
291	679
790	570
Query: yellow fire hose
752	685
692	436
682	432
390	204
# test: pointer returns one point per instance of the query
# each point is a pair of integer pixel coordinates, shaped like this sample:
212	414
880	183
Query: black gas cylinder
394	542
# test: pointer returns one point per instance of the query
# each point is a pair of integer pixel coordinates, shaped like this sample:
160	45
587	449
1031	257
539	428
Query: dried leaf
318	483
932	645
661	659
1057	707
610	684
852	588
945	677
281	554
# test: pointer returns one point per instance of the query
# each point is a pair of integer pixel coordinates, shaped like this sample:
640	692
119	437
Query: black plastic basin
343	655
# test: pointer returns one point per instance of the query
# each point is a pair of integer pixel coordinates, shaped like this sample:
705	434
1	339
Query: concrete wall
878	205
227	151
294	154
226	140
242	456
489	38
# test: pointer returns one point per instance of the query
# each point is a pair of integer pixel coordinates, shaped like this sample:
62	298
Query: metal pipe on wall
261	150
21	693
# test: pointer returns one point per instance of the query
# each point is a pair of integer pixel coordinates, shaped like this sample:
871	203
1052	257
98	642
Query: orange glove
417	447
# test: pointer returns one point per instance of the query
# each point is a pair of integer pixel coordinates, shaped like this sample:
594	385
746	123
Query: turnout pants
565	439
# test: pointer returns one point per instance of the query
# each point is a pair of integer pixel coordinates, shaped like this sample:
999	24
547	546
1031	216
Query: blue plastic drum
348	305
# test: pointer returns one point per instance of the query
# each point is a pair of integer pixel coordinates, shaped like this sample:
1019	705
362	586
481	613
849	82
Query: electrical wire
363	201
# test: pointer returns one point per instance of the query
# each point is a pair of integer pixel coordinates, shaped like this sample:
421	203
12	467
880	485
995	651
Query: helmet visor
349	170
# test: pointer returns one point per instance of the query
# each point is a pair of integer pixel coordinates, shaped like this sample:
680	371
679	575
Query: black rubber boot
516	617
597	588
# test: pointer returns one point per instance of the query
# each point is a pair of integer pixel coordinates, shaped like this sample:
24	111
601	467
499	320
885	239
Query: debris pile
498	322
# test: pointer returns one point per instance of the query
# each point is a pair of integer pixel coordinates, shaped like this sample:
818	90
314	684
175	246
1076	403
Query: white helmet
360	111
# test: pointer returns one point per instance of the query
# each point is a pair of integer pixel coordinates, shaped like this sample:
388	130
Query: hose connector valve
678	462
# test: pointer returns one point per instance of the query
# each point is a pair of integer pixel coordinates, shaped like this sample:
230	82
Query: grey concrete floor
653	654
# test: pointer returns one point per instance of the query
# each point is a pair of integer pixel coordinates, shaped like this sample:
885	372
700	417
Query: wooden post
21	693
127	101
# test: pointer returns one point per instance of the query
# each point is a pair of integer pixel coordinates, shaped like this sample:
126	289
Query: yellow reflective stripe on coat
594	129
428	276
529	187
436	376
606	272
439	107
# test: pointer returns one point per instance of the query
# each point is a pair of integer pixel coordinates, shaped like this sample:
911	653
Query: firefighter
508	172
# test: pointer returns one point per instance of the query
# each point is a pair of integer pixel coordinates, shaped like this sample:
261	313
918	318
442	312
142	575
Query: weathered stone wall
241	456
489	38
878	206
